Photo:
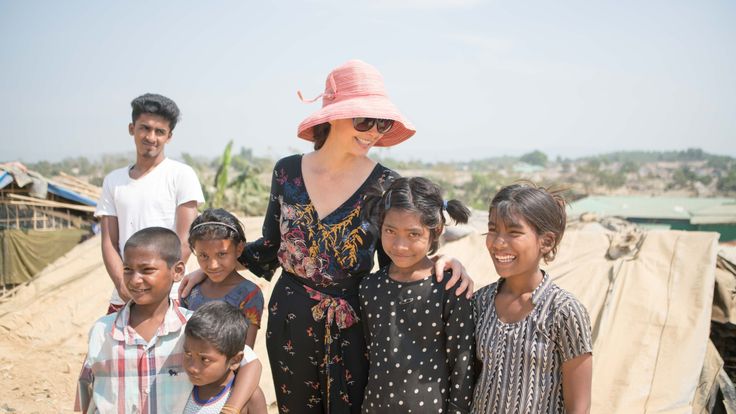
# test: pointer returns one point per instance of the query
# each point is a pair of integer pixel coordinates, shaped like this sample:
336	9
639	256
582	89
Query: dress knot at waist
333	309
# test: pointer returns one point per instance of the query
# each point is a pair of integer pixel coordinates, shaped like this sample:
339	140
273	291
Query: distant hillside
245	185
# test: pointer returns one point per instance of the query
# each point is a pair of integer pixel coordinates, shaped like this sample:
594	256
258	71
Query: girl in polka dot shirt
420	336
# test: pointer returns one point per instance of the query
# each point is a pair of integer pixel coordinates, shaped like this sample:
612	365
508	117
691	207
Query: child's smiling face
205	365
404	238
515	247
217	258
147	275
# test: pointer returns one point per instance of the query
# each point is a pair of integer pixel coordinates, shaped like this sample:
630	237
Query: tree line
239	181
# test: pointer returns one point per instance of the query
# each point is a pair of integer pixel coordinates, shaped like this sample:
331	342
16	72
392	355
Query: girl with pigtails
420	336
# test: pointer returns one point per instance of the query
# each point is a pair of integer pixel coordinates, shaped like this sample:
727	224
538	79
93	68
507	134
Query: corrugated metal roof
695	210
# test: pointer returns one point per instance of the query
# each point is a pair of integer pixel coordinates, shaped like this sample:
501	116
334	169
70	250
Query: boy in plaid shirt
135	358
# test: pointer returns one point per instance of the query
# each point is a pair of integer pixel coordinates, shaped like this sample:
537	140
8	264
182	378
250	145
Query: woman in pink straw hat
313	229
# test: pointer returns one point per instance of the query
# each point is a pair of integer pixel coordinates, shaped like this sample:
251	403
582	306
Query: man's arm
111	255
185	215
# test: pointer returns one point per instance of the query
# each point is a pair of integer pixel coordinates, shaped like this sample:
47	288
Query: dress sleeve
574	336
252	305
260	256
460	345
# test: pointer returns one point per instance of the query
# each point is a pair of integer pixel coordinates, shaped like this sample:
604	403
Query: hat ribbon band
327	95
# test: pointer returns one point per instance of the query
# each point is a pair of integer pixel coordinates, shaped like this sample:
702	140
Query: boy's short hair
163	240
155	104
220	324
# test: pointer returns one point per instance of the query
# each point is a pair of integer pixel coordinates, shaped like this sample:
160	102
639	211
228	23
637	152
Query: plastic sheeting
24	253
650	312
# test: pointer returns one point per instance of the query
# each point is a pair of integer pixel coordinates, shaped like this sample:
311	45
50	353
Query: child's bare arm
577	374
250	335
249	375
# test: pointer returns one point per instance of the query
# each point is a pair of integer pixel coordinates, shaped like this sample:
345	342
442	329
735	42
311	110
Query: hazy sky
477	78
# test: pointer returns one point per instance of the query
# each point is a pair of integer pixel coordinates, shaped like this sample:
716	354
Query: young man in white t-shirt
155	191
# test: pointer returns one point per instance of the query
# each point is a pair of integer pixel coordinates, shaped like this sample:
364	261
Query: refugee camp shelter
674	213
40	220
652	297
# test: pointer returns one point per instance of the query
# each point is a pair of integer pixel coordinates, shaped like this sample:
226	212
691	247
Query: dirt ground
43	328
43	331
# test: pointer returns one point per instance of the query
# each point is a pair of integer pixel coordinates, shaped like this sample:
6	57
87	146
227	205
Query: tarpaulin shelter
40	220
650	296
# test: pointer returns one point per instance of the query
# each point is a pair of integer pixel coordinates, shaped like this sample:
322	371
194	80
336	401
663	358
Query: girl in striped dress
533	339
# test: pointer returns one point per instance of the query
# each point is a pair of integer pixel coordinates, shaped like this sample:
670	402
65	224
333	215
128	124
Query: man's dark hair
220	324
155	104
161	239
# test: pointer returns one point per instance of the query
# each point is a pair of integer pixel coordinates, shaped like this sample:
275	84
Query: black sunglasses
365	124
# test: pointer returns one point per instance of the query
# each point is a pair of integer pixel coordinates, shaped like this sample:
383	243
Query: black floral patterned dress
314	337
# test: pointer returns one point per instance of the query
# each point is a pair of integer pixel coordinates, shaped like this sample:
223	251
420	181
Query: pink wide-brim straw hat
355	90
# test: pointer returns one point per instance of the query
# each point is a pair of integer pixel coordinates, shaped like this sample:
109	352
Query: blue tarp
7	178
70	195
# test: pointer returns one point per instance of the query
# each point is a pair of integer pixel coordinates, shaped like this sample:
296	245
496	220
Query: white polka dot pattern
420	344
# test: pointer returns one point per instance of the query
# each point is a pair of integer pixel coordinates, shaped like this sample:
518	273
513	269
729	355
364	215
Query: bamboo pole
47	203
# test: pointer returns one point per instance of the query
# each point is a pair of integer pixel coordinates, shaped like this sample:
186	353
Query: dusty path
43	331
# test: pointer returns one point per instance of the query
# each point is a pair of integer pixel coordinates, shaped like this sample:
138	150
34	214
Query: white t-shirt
148	201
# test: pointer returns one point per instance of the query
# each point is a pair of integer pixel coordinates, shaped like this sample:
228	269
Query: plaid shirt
125	374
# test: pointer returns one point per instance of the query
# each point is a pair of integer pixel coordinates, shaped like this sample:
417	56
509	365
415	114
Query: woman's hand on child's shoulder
442	263
190	281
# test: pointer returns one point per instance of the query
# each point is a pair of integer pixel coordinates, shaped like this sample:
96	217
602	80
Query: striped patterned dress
521	369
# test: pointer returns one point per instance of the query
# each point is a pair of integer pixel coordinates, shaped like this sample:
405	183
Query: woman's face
344	134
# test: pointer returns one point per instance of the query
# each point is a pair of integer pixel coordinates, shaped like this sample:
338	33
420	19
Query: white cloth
248	355
148	201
